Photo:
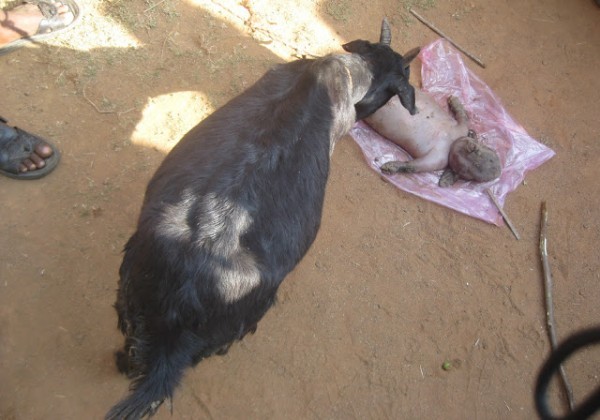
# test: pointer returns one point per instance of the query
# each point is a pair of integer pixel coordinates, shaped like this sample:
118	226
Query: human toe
37	160
43	150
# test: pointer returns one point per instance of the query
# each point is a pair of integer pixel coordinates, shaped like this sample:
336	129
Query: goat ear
358	46
410	56
406	94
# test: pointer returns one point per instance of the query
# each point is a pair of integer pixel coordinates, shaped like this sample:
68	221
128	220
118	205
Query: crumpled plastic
444	73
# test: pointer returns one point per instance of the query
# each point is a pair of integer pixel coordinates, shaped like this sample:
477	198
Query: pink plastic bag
443	74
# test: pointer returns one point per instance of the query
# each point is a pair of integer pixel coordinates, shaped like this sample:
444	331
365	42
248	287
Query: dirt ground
392	288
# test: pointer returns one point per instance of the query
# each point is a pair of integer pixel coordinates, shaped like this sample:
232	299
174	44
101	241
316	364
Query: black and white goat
234	207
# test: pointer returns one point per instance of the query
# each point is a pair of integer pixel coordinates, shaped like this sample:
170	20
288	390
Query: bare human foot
24	21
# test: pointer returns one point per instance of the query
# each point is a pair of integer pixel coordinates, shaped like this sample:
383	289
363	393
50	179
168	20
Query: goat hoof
390	168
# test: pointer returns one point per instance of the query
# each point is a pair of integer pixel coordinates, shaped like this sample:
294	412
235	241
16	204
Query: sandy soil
393	286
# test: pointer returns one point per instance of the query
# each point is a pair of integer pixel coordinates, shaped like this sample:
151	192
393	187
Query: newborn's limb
448	178
430	162
396	166
458	110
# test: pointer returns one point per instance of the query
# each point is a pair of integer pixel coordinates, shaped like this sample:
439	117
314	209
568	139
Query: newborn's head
473	161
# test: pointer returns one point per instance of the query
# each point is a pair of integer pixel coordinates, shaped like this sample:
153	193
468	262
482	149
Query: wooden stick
103	111
548	300
504	215
100	111
446	37
153	6
273	37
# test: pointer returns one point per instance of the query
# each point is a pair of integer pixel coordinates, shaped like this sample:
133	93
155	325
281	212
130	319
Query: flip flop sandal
17	145
50	25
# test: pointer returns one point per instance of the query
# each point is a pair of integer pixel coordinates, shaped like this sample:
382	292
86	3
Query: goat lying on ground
234	207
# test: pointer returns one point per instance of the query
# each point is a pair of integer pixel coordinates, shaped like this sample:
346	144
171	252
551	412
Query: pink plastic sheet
443	74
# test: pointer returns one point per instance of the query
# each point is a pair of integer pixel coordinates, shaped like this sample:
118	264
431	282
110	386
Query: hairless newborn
435	140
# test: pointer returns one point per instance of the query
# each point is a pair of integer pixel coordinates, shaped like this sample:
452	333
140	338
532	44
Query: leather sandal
50	25
16	145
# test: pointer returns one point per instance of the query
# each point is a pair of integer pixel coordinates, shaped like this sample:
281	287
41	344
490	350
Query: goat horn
386	34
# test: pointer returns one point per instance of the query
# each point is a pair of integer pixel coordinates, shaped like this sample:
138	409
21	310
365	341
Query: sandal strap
18	145
47	8
7	133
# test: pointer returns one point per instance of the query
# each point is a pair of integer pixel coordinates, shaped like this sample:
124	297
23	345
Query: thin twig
548	300
443	35
104	111
153	6
504	215
273	37
162	51
101	111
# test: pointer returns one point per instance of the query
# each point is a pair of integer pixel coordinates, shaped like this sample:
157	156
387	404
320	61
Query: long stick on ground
503	213
443	35
548	300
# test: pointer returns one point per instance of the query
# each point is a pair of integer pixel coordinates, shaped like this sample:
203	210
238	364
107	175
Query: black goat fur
231	211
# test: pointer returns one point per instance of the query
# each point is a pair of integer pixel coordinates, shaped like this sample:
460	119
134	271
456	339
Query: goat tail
166	364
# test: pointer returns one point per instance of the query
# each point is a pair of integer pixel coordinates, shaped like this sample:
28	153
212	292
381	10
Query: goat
234	207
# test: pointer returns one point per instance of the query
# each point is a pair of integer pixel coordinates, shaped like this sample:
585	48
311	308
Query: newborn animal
436	140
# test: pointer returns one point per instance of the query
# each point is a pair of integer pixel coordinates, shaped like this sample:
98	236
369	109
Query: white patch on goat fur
214	214
222	223
174	223
239	278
